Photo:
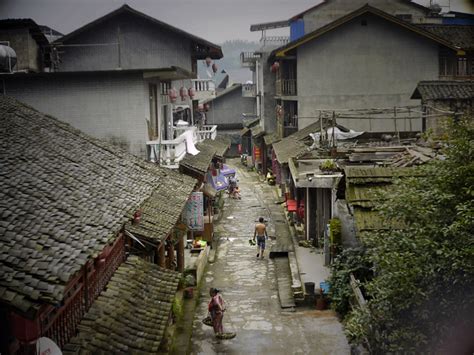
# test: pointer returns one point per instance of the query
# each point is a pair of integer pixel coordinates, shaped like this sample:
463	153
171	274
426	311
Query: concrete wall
334	9
109	106
355	66
268	102
228	109
142	45
26	48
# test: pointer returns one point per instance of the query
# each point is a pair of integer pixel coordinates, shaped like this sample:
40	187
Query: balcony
204	89
286	87
249	90
207	132
169	153
274	41
248	59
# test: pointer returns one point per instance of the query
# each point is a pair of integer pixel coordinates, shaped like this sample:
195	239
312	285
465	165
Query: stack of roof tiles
208	149
64	196
131	316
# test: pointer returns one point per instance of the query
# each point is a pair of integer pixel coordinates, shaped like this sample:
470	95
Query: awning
257	131
218	182
227	171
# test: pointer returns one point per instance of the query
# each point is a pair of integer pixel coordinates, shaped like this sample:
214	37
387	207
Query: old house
441	98
365	59
124	77
66	200
227	110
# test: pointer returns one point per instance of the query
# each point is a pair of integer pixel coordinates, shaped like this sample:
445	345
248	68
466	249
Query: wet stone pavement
249	288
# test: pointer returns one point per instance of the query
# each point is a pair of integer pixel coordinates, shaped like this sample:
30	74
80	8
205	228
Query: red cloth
291	205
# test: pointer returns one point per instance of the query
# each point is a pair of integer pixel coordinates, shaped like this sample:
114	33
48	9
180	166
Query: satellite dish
45	346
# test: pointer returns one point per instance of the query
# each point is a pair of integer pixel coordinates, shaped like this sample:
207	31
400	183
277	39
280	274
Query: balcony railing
169	153
274	41
286	87
249	90
204	89
207	132
248	59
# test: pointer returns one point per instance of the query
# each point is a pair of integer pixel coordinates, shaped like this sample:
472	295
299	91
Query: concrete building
112	79
366	59
331	10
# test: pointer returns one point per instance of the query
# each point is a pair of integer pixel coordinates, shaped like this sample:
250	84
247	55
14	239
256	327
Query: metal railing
275	40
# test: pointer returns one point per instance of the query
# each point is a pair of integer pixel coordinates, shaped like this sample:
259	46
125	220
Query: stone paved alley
250	289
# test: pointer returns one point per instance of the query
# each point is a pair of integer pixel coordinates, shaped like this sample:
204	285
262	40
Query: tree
422	295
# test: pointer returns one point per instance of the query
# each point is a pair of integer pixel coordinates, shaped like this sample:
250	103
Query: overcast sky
214	20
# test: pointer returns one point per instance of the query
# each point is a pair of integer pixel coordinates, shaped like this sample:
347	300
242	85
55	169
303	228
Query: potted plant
328	166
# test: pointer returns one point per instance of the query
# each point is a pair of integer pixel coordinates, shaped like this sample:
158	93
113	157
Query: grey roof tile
64	196
132	314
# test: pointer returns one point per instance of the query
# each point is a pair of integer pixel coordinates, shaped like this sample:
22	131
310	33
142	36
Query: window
462	66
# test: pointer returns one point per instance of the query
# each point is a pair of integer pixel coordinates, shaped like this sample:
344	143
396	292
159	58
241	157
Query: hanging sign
193	214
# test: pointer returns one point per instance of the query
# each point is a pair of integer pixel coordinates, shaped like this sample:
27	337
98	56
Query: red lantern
214	68
172	94
183	93
137	217
275	66
208	61
191	93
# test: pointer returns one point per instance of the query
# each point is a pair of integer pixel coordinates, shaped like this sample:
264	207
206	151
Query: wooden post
170	255
180	254
161	254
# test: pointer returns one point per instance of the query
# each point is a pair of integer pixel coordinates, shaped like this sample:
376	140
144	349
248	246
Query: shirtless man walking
261	234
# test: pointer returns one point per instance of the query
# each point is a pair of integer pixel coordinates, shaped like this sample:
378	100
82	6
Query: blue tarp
218	182
227	171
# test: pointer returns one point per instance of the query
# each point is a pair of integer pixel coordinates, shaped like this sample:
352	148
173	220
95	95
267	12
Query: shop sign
193	214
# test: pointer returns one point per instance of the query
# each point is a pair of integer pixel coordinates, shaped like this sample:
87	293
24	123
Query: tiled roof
271	138
161	211
293	145
257	131
207	150
459	35
131	316
363	188
63	197
444	90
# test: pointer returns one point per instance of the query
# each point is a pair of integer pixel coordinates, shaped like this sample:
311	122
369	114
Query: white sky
213	20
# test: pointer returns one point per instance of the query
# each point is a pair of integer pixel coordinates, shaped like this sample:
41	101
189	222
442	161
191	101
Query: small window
363	22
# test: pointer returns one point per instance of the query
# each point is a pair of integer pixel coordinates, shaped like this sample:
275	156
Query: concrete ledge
201	263
295	273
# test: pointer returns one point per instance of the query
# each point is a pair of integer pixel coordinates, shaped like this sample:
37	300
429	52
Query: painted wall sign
193	214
